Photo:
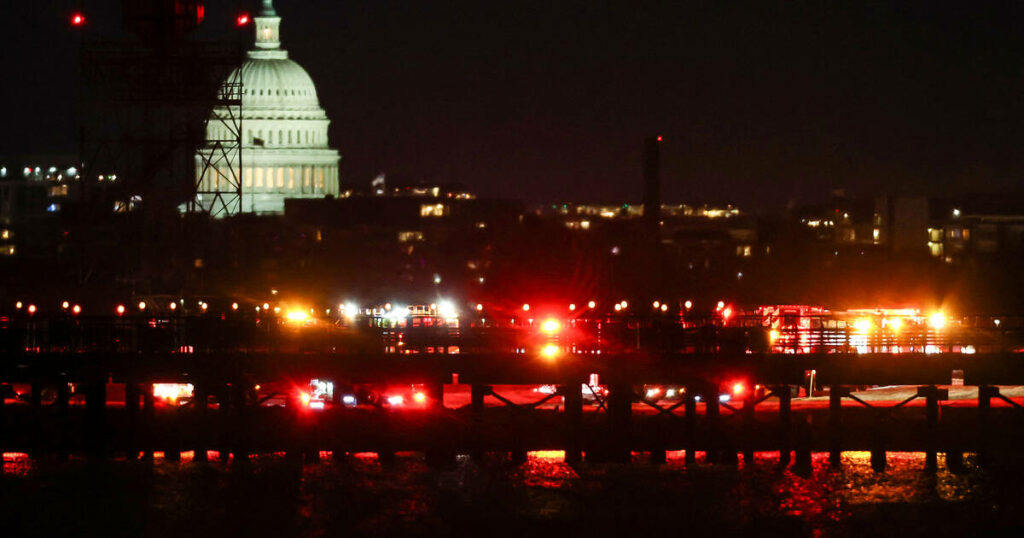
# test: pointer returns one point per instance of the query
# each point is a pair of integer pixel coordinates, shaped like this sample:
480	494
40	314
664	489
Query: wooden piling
985	395
64	414
293	409
35	402
932	396
803	444
517	456
878	453
200	407
573	412
131	409
835	424
240	415
172	442
148	430
620	410
955	461
690	417
714	441
440	453
749	424
96	416
477	392
785	423
3	421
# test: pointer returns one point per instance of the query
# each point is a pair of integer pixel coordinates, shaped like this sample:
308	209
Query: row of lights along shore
444	309
349	309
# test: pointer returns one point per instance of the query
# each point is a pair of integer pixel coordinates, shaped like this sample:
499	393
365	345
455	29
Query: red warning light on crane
77	19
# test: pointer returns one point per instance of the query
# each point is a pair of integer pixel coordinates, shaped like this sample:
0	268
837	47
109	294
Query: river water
355	495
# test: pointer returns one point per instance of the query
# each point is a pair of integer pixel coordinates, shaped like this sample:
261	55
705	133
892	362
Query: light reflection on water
270	494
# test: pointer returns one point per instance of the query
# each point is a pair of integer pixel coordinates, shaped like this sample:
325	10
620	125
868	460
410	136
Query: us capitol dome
285	153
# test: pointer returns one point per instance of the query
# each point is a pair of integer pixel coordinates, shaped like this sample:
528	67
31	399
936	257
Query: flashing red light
306	398
31	309
726	313
76	310
659	138
120	310
242	20
738	389
77	19
550	326
419	397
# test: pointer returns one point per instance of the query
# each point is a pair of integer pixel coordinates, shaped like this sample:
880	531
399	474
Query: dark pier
67	410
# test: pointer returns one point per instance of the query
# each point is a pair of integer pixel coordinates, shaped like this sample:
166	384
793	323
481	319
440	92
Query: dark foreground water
356	496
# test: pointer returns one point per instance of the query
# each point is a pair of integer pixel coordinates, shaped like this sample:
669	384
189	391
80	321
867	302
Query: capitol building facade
285	152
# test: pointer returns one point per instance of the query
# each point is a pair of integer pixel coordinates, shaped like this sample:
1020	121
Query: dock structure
63	406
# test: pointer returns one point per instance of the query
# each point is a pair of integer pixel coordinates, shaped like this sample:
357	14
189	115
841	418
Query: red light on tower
659	138
242	20
77	19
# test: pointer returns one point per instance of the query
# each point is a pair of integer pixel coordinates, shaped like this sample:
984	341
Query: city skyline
758	106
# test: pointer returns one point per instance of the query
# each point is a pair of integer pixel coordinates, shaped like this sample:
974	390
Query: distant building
976	225
900	223
34	191
285	152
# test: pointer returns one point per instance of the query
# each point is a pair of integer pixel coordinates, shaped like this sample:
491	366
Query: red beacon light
242	20
78	19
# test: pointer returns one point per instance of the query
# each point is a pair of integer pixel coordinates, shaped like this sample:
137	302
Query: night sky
760	102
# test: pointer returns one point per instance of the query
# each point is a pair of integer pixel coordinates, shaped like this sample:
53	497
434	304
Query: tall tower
652	187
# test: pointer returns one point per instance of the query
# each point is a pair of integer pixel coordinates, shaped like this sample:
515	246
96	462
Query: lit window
410	236
433	210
